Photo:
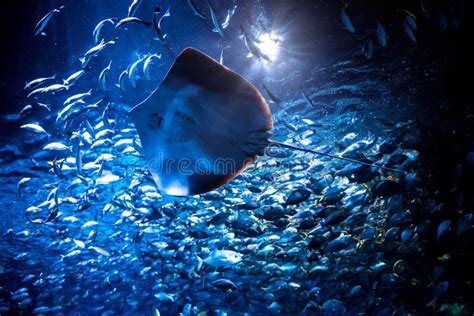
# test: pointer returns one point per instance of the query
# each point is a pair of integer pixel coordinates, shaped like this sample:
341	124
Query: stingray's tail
272	142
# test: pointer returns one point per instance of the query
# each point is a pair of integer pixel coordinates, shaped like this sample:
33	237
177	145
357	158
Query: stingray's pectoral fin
256	142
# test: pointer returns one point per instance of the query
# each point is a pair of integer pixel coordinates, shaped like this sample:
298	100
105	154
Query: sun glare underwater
236	157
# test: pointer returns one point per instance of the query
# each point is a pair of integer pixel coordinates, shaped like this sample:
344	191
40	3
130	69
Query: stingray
203	126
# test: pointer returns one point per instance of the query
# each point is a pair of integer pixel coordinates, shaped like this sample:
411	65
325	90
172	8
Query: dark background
317	38
448	97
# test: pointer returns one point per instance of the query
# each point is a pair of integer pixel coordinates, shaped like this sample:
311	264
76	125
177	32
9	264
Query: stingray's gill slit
235	123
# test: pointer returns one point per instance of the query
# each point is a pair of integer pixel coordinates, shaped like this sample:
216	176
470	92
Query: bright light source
269	45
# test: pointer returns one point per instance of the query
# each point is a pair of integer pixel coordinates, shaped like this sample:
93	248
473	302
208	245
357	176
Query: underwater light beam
269	45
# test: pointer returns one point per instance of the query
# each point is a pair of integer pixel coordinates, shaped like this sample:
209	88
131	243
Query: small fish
307	99
368	49
26	110
410	19
157	24
121	81
272	97
162	296
99	250
131	20
44	106
347	21
132	75
220	258
225	285
44	21
381	35
57	169
217	26
197	11
132	9
107	178
56	146
221	57
37	82
251	45
96	34
298	196
79	243
89	224
94	51
444	228
76	97
154	311
148	62
72	79
36	128
439	292
104	118
41	310
50	89
290	126
102	77
67	108
230	14
79	160
77	112
22	183
409	32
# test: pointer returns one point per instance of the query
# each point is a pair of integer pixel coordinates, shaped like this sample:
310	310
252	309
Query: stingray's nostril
156	121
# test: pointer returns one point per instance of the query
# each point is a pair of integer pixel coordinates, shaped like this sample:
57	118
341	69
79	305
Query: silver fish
368	49
121	82
230	14
44	21
132	9
21	184
72	79
35	83
251	45
148	62
77	97
66	109
197	11
131	20
409	32
94	51
221	57
79	160
36	128
381	35
50	89
56	146
307	99
157	24
220	258
215	21
44	106
102	77
98	29
347	21
132	75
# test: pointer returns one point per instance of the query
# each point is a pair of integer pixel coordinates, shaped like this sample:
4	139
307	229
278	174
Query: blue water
106	241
